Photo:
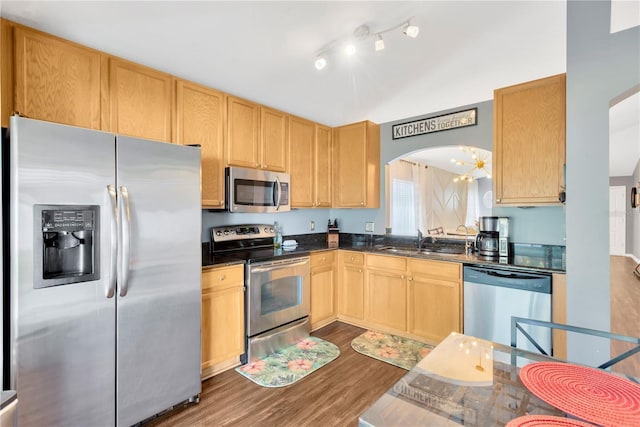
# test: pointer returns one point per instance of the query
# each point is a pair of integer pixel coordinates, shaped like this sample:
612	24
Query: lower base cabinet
434	298
222	318
323	289
351	286
386	292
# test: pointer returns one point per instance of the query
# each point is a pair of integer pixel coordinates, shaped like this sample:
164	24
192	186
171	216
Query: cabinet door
200	114
243	132
529	142
386	299
322	295
322	171
356	174
350	154
222	325
222	314
273	146
351	296
301	144
140	100
56	80
434	308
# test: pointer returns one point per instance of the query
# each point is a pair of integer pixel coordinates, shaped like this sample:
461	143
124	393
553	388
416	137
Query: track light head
378	42
349	49
411	30
321	62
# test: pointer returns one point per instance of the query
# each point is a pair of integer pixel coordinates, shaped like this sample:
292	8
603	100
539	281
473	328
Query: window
403	214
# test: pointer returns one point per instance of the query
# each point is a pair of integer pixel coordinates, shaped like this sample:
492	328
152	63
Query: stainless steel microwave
255	190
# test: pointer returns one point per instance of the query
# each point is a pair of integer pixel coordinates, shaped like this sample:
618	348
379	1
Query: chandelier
479	161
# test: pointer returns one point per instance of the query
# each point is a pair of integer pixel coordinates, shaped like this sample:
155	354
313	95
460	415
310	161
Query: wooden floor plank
334	395
625	311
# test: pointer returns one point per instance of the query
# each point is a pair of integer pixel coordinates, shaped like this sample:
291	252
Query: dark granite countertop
526	257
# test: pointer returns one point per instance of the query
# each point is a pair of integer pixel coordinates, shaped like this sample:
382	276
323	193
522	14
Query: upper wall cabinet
273	138
309	163
200	119
140	101
356	182
55	80
529	142
256	136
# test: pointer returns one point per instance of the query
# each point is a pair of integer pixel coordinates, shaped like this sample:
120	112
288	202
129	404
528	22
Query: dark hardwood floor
625	311
334	395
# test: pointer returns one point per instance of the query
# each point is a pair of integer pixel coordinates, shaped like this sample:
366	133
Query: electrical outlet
368	226
312	225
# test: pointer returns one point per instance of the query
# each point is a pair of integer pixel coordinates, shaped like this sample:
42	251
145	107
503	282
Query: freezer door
61	337
158	316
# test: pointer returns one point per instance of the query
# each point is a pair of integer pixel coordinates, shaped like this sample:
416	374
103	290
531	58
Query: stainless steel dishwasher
493	295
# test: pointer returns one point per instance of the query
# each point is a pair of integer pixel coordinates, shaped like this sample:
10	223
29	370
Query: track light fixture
362	33
320	63
378	42
411	30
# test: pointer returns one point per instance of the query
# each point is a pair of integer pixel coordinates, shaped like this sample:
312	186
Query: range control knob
266	229
270	229
226	232
218	233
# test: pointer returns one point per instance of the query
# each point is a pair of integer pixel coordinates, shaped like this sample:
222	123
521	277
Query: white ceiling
265	50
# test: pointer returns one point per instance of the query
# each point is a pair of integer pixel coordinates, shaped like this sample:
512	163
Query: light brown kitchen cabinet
529	142
323	289
356	173
309	163
434	298
55	80
351	285
322	171
140	101
559	314
256	136
200	119
386	292
222	318
273	140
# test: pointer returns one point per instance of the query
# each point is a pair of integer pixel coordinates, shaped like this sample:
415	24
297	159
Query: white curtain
473	204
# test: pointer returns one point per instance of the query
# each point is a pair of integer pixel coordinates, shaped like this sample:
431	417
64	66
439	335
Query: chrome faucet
422	240
467	243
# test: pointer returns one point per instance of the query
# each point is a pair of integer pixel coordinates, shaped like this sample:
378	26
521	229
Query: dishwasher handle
533	282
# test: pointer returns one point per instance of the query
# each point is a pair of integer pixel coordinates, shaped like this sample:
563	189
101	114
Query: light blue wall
600	67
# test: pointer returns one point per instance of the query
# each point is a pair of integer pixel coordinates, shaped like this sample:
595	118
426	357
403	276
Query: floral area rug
402	352
290	364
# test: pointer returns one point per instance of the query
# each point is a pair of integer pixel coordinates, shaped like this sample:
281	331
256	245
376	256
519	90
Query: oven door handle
273	266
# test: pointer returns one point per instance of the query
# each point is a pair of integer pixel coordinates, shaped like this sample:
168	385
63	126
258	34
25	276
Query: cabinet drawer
386	262
354	258
216	278
321	259
439	269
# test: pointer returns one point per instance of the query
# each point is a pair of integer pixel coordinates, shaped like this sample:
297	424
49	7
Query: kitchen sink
450	250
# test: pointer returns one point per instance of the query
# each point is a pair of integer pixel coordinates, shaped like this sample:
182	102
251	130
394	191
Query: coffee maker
492	240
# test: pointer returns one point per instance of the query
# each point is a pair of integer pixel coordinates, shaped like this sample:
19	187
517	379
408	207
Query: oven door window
254	193
280	294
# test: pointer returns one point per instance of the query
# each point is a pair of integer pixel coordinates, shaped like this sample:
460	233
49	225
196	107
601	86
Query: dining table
469	381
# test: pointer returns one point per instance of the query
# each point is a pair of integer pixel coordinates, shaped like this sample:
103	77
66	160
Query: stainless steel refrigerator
103	254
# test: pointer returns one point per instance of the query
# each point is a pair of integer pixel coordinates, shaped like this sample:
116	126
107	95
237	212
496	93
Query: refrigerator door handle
113	266
125	224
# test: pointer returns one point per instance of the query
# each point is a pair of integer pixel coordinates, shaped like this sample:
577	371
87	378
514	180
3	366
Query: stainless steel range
277	301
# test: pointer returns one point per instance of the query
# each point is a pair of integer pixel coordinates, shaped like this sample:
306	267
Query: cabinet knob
402	276
361	203
222	277
359	270
410	278
498	200
353	258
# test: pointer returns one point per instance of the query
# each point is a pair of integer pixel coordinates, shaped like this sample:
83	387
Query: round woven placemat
545	421
591	394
